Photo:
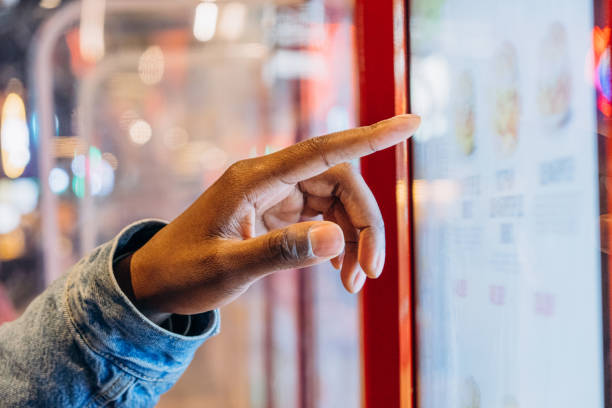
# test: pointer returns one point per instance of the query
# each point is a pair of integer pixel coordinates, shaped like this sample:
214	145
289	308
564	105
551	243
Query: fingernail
326	240
360	279
337	261
408	119
406	124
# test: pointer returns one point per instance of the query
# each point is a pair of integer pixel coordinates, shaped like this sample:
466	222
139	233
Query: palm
287	204
284	208
294	203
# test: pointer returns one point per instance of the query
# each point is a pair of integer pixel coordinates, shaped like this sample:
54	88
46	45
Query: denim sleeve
82	343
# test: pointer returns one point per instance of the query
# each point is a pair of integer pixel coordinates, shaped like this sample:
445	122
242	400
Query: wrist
126	275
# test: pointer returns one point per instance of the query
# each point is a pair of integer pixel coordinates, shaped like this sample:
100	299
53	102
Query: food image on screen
554	79
507	105
510	402
429	26
464	112
470	394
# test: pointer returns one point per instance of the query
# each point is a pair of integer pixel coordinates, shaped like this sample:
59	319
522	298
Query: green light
78	186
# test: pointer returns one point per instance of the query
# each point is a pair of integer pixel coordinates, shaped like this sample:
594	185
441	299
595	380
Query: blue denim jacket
82	343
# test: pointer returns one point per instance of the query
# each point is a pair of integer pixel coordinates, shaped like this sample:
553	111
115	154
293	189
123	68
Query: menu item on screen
510	402
554	82
464	112
470	397
507	103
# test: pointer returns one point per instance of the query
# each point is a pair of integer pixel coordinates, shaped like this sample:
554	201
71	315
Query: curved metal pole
44	42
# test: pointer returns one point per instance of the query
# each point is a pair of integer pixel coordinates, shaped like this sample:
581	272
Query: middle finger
345	184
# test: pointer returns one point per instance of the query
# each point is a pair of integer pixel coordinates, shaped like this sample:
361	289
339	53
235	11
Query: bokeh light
127	118
78	186
176	138
111	159
9	218
213	158
34	127
78	165
14	136
107	179
17	198
151	65
49	4
10	3
58	180
101	173
24	195
140	132
205	21
91	31
231	20
94	168
12	244
601	76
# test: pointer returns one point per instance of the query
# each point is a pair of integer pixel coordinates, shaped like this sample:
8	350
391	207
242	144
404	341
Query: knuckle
237	168
344	172
233	173
377	231
345	169
318	146
367	131
379	225
352	175
239	172
351	186
244	178
285	248
344	177
281	247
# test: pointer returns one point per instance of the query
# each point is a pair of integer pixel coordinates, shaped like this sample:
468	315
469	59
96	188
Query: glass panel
508	278
130	110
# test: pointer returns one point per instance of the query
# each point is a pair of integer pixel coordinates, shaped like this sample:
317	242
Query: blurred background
118	110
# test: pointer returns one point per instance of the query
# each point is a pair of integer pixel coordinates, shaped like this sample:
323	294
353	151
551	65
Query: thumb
297	246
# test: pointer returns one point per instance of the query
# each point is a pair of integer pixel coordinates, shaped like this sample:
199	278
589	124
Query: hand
247	224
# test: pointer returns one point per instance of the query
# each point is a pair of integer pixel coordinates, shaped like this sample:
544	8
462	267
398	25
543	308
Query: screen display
506	205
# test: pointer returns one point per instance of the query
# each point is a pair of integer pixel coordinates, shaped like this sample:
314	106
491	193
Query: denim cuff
114	328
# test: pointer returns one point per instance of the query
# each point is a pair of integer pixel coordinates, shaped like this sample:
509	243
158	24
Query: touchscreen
506	211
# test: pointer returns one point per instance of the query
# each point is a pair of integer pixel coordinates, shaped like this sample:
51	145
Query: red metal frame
387	307
603	22
386	303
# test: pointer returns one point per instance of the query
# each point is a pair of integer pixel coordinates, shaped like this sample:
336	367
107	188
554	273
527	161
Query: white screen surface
508	278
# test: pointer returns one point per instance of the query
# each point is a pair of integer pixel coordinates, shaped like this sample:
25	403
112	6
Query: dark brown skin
247	225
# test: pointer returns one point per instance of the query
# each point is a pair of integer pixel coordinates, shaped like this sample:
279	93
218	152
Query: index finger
314	156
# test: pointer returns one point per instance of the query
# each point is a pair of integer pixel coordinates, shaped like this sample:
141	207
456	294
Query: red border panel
386	306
